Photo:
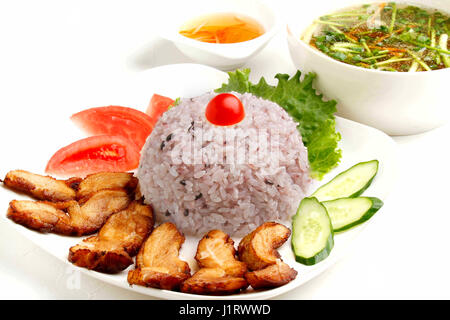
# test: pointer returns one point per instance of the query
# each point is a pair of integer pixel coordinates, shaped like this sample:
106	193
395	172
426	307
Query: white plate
359	143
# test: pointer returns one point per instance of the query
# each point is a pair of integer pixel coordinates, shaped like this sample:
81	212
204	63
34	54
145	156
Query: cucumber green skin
322	254
360	191
376	205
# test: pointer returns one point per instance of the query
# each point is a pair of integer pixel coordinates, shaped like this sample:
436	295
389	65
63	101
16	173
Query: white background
54	51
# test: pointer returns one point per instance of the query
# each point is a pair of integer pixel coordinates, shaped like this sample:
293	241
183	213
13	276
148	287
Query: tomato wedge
129	123
94	154
157	106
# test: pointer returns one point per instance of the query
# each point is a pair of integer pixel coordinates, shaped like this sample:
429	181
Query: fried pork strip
50	189
258	251
216	250
157	263
106	180
41	187
117	241
220	272
275	275
69	217
258	248
213	281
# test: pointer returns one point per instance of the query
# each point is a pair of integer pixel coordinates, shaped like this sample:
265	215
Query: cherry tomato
225	109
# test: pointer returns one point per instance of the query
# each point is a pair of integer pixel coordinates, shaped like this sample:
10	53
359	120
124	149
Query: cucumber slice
350	183
312	232
345	213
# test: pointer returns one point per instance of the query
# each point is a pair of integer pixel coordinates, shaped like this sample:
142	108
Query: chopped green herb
392	35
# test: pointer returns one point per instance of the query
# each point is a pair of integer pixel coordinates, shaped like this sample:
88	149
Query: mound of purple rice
203	177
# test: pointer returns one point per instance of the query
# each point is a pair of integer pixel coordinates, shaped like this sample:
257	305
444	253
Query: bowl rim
290	35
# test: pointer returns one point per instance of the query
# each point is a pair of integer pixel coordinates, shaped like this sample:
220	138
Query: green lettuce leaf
314	115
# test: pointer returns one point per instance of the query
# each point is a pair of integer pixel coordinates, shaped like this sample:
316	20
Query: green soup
384	36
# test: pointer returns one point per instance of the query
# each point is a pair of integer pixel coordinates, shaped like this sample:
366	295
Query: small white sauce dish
398	103
171	15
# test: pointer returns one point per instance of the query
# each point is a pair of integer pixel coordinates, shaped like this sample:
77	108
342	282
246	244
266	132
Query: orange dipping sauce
222	28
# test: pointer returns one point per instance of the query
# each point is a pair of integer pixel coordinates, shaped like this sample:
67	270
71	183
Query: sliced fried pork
220	271
106	180
216	250
42	216
41	187
213	281
275	275
69	217
117	241
258	251
50	189
157	263
258	248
